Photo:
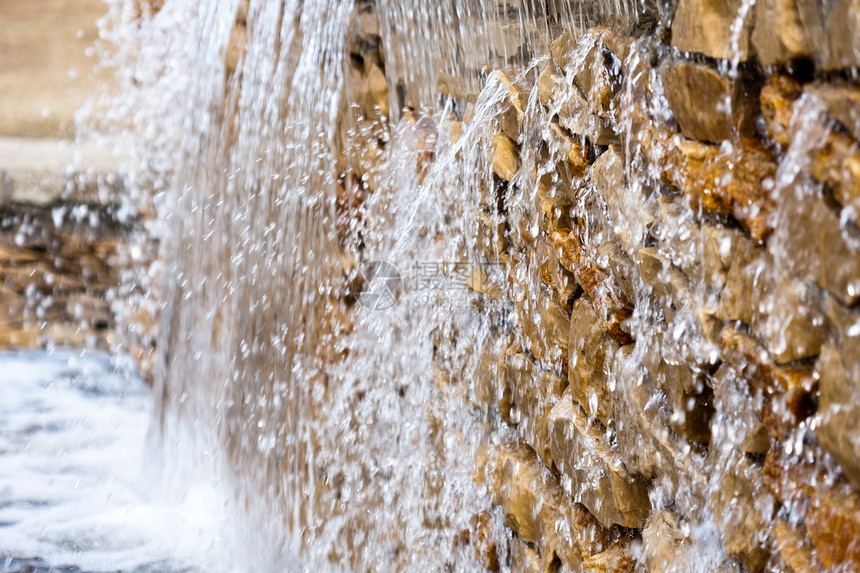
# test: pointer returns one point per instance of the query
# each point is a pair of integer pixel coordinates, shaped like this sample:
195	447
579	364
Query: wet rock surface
663	376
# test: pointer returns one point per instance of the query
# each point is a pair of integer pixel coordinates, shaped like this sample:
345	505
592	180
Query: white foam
74	489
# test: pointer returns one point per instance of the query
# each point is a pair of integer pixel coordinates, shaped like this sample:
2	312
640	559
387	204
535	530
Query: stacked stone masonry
689	348
688	351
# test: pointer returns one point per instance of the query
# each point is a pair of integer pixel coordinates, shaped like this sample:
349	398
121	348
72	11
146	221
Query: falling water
355	432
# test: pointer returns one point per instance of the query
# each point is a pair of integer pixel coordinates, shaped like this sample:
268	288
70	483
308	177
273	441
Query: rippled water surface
76	491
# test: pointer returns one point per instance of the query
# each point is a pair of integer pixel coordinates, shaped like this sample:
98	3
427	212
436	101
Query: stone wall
686	357
74	256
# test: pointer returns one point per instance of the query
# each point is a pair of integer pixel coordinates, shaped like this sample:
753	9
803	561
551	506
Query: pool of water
78	490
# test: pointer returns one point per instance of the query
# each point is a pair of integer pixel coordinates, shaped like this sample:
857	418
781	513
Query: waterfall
461	284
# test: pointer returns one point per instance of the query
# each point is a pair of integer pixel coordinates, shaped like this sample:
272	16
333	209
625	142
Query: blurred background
72	257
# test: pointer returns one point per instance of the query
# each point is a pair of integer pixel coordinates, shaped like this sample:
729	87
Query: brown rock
598	478
788	389
236	48
524	557
506	159
829	506
513	108
708	27
591	354
575	153
708	106
732	183
529	394
842	102
536	508
743	510
787	30
794	547
837	162
837	165
838	417
777	96
843	42
609	300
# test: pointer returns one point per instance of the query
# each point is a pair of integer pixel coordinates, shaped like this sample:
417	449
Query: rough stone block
529	394
714	28
838	416
787	30
506	157
592	352
709	106
610	301
598	478
743	510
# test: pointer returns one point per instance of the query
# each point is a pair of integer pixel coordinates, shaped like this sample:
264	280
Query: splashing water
333	333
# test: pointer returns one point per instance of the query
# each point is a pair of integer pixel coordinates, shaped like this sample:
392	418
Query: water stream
327	367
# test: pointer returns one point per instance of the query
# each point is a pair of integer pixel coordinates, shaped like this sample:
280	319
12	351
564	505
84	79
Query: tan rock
591	354
599	75
846	323
842	40
707	105
377	87
667	281
823	249
567	102
842	102
545	325
780	309
513	108
524	557
743	509
529	395
787	30
663	542
789	388
609	300
830	508
598	479
734	183
538	511
714	28
552	274
733	401
553	207
490	239
626	207
506	159
838	416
